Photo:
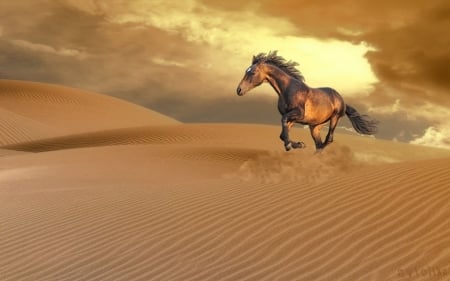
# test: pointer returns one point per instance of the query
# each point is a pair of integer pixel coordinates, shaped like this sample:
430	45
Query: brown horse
298	103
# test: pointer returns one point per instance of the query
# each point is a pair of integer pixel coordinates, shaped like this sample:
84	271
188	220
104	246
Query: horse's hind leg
315	133
333	122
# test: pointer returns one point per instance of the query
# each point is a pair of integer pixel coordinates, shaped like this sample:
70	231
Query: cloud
408	38
436	137
162	61
232	38
121	58
92	7
49	49
387	109
152	33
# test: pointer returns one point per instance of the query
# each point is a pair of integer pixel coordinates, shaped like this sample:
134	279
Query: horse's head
253	77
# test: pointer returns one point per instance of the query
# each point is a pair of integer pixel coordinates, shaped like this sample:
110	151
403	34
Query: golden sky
185	58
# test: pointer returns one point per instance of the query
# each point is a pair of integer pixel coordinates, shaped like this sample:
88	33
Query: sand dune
45	110
15	128
171	201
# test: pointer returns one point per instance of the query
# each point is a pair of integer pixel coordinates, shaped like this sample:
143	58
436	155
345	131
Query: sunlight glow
334	63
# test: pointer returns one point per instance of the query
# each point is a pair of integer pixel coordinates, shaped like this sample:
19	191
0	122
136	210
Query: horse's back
331	92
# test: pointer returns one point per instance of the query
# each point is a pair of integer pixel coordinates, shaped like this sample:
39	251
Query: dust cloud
300	165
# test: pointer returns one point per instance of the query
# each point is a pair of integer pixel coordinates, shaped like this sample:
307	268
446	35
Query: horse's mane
279	61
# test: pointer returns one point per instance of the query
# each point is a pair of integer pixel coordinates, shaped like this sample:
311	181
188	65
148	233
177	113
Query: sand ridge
249	136
160	200
15	128
67	110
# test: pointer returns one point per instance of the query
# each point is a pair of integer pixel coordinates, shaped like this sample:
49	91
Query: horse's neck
278	79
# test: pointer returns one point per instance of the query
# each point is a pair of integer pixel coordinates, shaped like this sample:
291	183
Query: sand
95	188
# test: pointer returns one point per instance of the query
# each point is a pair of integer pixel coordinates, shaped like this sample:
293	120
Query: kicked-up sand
95	188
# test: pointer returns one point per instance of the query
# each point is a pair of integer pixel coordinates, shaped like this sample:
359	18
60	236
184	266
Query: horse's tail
363	124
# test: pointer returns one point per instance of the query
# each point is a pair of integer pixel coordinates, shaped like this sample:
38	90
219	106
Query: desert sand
96	188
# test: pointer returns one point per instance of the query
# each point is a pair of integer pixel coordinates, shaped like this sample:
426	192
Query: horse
299	103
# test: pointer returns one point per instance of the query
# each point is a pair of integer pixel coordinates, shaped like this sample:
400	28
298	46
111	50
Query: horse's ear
254	59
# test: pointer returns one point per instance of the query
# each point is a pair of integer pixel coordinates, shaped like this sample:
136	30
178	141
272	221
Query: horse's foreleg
287	121
284	136
315	133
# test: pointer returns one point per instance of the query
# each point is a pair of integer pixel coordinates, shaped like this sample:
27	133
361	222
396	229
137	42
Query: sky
389	59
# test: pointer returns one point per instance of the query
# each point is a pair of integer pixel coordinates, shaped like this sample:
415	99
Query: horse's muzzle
239	91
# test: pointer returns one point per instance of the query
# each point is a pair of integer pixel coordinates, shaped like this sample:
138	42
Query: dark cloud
14	61
119	57
415	54
323	18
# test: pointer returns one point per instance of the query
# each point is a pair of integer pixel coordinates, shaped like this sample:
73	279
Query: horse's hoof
288	146
298	144
318	151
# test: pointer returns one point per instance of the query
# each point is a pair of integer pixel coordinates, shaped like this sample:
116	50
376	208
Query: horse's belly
317	113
